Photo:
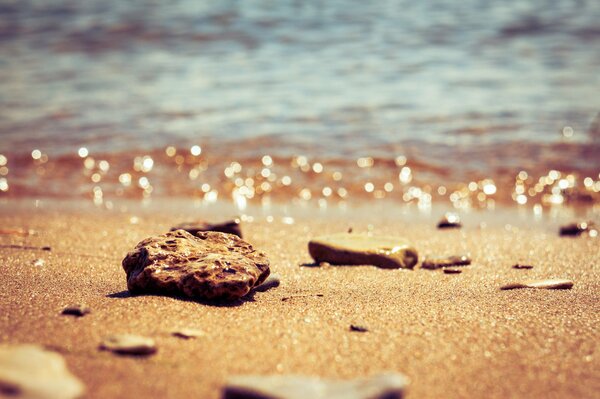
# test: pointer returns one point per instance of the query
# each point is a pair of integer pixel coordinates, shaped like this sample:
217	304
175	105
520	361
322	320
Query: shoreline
452	335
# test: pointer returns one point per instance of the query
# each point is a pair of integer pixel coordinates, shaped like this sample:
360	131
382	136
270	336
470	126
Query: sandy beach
454	336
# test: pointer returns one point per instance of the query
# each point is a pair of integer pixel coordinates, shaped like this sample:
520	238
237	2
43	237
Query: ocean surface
313	100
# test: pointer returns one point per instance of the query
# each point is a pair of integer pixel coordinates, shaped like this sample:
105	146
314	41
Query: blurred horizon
462	90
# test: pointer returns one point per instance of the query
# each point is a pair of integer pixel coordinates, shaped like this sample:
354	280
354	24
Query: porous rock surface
209	265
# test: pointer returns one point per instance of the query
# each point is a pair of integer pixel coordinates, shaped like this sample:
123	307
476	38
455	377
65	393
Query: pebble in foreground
363	249
552	284
229	227
129	344
274	280
210	265
383	386
30	371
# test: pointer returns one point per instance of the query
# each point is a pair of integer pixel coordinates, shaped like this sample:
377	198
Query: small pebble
129	344
356	328
187	333
324	264
228	227
271	282
576	229
438	263
46	248
449	270
39	262
450	221
551	284
519	266
76	310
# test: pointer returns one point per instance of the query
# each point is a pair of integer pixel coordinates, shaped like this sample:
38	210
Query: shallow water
466	92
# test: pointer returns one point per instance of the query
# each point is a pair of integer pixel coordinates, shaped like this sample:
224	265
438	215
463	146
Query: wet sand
453	335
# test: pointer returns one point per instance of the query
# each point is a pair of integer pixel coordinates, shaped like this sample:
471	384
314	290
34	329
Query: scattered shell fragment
76	310
363	249
38	262
357	328
450	221
129	344
187	333
382	386
451	270
271	282
551	284
230	227
210	265
520	266
30	371
438	263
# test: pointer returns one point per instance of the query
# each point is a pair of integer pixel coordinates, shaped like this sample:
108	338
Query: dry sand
454	336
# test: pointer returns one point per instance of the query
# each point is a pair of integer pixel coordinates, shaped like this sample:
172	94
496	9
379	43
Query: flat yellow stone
363	249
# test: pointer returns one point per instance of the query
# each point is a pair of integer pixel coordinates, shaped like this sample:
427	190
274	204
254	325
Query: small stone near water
129	344
229	227
450	221
356	328
438	263
38	262
382	386
363	249
76	310
451	270
271	282
577	229
30	371
551	284
520	266
187	333
210	265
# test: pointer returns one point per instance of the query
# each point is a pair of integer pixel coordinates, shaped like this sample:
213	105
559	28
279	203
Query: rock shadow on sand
207	302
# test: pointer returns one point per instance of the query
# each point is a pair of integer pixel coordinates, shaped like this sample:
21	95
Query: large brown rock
209	265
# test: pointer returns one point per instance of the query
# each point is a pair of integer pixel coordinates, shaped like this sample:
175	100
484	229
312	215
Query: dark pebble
230	227
519	266
575	229
76	310
452	271
356	328
438	263
450	221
